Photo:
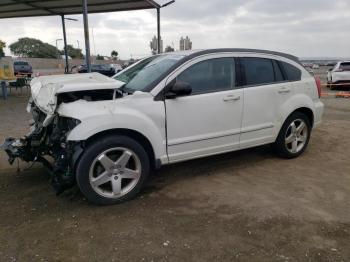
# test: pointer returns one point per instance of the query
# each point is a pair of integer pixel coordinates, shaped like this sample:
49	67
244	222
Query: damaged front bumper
13	147
17	148
48	141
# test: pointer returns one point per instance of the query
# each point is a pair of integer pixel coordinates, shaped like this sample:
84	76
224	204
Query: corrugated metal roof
27	8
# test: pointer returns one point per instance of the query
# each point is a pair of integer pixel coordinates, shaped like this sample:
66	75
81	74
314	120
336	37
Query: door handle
232	98
284	90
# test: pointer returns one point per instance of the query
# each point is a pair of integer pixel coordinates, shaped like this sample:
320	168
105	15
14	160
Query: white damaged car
107	134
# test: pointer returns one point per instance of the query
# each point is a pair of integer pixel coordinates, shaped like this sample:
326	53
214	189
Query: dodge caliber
107	134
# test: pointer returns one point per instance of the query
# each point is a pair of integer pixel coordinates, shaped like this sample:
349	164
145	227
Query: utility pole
158	30
86	36
66	68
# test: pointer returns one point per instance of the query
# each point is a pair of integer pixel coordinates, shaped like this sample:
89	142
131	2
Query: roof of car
194	53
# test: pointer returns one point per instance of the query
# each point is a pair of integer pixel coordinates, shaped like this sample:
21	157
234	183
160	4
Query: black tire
93	151
280	146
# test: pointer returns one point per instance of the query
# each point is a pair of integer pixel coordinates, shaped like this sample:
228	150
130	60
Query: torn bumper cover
18	149
13	147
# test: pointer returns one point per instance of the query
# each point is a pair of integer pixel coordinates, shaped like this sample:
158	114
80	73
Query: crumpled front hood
44	89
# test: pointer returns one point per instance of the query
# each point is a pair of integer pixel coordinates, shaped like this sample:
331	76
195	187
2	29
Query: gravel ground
242	206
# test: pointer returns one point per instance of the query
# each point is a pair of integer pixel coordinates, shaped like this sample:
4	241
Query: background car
106	70
340	74
128	63
117	67
22	68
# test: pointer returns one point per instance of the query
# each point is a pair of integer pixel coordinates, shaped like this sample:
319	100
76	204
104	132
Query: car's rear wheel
112	170
294	136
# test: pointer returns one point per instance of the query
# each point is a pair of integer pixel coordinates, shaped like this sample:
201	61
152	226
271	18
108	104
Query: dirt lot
243	206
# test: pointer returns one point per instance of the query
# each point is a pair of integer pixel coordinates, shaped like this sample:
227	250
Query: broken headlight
71	122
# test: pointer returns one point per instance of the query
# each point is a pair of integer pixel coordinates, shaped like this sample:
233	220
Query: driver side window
210	76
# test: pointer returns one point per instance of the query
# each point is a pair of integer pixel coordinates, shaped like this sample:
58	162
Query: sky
305	28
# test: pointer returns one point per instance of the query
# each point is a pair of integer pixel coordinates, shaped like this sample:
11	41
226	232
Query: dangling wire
18	170
32	164
27	168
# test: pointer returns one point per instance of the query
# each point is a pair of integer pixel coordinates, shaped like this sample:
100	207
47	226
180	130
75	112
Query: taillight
318	84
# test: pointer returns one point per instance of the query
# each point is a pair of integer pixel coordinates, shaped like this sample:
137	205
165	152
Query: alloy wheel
115	172
296	136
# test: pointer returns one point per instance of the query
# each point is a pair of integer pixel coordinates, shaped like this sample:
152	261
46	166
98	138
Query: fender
289	106
100	116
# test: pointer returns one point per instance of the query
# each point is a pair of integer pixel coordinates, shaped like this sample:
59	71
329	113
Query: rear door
265	90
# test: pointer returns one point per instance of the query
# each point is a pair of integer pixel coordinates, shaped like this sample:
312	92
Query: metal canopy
27	8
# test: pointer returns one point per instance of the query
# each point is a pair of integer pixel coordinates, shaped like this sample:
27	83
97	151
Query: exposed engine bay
47	140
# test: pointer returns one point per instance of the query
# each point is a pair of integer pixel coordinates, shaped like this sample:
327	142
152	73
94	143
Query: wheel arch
306	111
140	138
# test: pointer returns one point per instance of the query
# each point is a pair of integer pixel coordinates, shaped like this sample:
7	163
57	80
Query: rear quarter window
292	73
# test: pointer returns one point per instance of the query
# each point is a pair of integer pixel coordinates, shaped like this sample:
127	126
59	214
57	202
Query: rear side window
20	63
345	66
210	76
258	71
292	73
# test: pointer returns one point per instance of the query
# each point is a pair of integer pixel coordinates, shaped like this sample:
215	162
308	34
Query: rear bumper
341	83
23	72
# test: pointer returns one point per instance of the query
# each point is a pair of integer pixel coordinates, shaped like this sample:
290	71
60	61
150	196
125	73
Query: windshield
142	74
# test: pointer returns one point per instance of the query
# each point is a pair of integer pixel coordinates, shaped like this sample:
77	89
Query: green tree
100	57
114	54
2	47
31	47
169	49
73	52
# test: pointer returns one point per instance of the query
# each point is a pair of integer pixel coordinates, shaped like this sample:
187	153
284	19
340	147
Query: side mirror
178	89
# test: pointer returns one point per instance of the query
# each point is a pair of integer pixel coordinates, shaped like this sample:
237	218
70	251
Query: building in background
154	45
185	44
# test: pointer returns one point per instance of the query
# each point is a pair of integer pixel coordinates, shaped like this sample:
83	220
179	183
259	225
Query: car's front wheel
112	170
294	136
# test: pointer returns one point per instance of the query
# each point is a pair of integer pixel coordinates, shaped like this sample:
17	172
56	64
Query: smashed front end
47	140
48	145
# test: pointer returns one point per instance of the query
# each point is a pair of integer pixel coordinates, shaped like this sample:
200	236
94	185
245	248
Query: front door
208	121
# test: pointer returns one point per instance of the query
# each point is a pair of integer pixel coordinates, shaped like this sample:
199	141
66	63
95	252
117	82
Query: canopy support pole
86	36
66	68
158	30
